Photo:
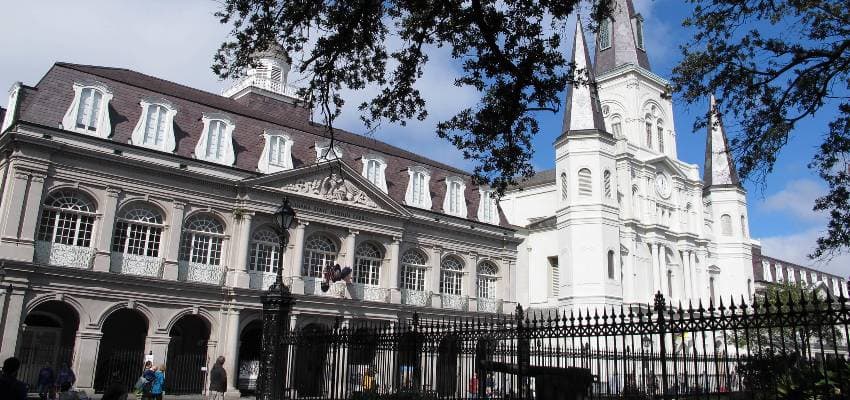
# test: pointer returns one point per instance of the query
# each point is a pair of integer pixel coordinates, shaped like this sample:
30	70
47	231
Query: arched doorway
122	349
187	356
47	339
447	360
310	357
250	350
362	348
409	361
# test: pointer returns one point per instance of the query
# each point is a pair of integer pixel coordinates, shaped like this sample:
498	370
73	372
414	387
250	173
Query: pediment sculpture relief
334	188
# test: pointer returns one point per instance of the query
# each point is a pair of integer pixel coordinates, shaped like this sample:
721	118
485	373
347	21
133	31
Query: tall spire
719	167
620	39
582	104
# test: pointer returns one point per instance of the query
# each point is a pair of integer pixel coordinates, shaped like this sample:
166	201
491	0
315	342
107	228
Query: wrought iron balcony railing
64	255
202	273
134	264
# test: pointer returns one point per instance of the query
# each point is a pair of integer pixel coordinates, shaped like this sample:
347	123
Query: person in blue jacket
158	382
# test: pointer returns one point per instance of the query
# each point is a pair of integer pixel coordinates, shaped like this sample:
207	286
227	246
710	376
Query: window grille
585	183
451	276
367	264
319	252
202	240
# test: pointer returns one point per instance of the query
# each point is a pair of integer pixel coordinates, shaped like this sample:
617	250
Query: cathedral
620	217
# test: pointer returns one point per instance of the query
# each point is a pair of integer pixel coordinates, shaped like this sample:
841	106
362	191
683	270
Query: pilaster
107	224
348	246
231	353
238	275
15	206
12	323
86	351
296	244
175	231
393	275
433	282
29	224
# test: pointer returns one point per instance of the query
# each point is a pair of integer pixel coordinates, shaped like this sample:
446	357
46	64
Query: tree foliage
775	63
508	50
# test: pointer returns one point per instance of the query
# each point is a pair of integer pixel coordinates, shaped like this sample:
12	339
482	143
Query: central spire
719	167
620	39
583	111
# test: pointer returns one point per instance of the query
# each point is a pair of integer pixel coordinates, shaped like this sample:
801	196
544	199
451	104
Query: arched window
138	230
585	183
616	126
726	224
606	182
488	275
648	131
202	239
635	201
373	167
367	264
413	265
216	143
611	274
155	125
660	128
67	218
451	276
604	34
487	210
264	250
744	226
277	153
215	139
565	189
319	252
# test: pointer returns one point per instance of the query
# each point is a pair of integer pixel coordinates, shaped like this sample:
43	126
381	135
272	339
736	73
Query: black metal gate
185	373
123	366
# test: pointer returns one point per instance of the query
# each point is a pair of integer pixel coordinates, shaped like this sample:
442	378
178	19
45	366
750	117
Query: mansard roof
623	49
47	102
797	269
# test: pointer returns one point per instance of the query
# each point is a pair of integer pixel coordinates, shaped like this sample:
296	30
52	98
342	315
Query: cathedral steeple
719	167
583	111
620	39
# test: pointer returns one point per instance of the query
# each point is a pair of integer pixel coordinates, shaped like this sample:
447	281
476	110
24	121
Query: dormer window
277	153
418	188
155	129
324	152
374	168
455	202
216	144
89	112
605	34
487	211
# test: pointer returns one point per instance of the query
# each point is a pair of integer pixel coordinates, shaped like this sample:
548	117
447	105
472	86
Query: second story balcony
201	273
134	264
64	255
416	297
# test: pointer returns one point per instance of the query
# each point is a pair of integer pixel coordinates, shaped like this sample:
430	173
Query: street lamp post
277	303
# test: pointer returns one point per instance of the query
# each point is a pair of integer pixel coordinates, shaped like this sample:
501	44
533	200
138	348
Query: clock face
662	185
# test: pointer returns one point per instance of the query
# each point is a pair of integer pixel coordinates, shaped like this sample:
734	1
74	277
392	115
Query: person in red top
473	386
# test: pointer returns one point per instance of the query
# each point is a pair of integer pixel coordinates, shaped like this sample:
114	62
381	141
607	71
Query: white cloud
795	247
796	199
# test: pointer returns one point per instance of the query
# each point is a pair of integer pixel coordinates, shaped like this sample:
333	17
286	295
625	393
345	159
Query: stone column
238	274
103	245
12	323
393	270
29	225
692	263
296	243
433	282
175	230
662	268
629	273
686	273
470	278
158	346
505	284
13	212
86	351
349	244
656	279
231	353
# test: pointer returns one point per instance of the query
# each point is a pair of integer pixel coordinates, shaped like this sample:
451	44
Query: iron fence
773	347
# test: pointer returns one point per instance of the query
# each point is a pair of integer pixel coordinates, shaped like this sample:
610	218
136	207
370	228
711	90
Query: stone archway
122	349
187	355
250	355
47	339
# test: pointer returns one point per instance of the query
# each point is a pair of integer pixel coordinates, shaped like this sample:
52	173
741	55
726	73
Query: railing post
660	309
277	304
523	354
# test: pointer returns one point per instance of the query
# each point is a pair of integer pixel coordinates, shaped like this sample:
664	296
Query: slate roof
623	48
2	114
544	177
47	102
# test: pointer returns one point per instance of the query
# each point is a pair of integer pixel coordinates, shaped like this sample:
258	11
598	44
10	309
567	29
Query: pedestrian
10	387
473	386
46	382
334	274
65	375
143	381
489	386
158	382
218	380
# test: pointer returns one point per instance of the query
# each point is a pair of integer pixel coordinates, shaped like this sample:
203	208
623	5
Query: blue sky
176	41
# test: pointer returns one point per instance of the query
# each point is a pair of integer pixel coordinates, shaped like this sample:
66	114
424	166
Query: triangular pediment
333	182
663	162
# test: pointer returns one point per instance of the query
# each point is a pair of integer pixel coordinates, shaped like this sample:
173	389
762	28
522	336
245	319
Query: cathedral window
216	144
585	183
155	129
202	240
451	276
89	111
616	126
744	226
319	252
138	231
418	192
604	34
639	32
635	201
277	154
669	284
374	168
454	203
660	128
488	275
413	266
565	189
648	132
67	218
606	181
611	268
325	153
265	251
726	225
367	264
487	210
555	277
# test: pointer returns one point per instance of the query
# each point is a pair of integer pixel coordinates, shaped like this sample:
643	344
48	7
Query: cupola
269	78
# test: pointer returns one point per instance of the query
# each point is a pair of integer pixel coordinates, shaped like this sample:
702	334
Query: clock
662	185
